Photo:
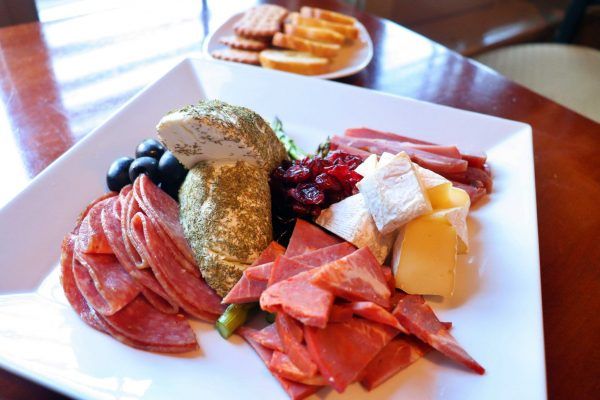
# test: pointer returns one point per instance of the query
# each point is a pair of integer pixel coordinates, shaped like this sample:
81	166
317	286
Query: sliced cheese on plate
368	166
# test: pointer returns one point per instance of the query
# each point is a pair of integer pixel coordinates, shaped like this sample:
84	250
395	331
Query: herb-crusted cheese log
225	211
215	130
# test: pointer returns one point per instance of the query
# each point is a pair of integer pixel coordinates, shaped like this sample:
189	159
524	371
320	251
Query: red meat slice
308	237
152	290
282	364
72	293
296	391
164	211
190	291
475	177
290	332
401	352
104	282
342	350
130	207
416	316
475	193
260	272
142	326
350	150
376	313
340	313
284	268
355	277
248	290
91	237
299	298
267	336
389	277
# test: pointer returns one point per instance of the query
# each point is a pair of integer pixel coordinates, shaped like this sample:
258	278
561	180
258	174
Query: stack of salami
128	271
466	170
339	318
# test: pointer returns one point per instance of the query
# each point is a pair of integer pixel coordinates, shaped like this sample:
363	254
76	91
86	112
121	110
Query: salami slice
72	293
110	281
190	291
296	391
343	350
151	289
291	334
401	352
130	207
355	277
91	237
299	298
141	325
420	320
308	237
163	210
267	336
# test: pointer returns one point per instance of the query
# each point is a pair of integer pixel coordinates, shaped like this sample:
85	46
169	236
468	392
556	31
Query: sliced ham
376	313
475	193
419	319
355	277
291	334
474	177
296	391
267	336
299	298
190	291
141	325
248	290
343	350
260	272
401	352
284	268
434	162
350	150
340	313
151	288
308	237
91	237
72	293
282	365
389	277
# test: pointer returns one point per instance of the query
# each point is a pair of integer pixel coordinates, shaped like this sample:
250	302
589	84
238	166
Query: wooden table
59	80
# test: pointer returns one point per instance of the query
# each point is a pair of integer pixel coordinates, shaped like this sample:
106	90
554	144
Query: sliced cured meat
130	207
434	162
190	291
375	312
267	336
248	290
151	289
342	350
308	237
72	293
475	177
475	159
355	277
296	391
164	211
111	282
389	277
419	319
314	258
284	268
475	193
300	299
91	237
290	332
282	364
350	150
340	313
87	210
368	133
446	151
401	352
142	326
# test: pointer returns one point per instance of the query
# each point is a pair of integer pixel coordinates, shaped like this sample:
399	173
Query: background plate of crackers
351	59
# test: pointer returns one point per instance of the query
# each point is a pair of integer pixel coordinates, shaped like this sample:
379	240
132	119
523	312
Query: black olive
150	148
170	171
144	165
170	190
118	174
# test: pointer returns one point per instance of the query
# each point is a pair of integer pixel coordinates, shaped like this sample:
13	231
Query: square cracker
261	22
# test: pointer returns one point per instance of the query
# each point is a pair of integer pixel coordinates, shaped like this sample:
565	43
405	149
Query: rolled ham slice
419	319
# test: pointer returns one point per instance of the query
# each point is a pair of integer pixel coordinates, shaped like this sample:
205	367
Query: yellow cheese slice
424	256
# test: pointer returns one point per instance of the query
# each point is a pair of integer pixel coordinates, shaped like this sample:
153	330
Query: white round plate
352	58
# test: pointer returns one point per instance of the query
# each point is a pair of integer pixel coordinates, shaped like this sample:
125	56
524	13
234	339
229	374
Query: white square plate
352	58
496	309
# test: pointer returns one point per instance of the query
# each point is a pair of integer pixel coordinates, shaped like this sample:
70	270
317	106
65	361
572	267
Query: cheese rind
368	166
394	194
424	256
350	219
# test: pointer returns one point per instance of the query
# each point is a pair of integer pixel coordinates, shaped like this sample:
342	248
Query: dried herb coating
225	211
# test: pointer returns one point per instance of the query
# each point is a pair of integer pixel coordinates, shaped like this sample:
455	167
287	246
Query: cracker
241	43
261	22
241	56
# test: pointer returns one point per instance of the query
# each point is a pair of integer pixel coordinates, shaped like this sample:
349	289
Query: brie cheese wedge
368	166
394	194
351	220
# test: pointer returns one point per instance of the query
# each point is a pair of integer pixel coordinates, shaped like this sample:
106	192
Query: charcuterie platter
352	249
